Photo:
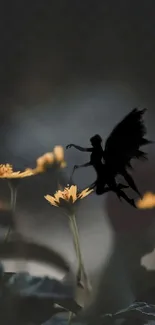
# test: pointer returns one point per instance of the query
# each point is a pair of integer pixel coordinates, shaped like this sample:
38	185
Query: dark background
69	69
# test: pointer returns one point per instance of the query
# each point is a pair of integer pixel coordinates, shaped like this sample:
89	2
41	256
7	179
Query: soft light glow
147	202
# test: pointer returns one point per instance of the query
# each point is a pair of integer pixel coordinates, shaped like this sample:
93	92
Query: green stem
13	189
75	233
76	241
81	270
71	314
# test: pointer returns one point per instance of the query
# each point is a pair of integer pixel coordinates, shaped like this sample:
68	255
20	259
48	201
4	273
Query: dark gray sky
69	69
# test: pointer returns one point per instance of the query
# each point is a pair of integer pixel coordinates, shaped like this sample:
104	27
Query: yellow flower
47	158
147	202
6	171
67	197
59	156
50	158
43	161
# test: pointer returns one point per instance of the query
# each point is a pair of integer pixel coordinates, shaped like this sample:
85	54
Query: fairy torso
97	158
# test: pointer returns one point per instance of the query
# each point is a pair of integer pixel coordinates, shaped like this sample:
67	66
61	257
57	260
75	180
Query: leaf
138	311
20	249
35	299
61	319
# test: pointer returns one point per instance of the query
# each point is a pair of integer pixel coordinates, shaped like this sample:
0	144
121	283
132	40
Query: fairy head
96	140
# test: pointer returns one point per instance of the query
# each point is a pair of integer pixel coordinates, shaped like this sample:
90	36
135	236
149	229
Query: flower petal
84	193
59	153
73	192
51	200
58	195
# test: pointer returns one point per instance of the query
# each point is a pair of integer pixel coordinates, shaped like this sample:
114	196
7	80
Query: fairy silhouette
122	145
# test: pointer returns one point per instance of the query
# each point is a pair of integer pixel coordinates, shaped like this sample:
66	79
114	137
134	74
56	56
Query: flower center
6	169
66	194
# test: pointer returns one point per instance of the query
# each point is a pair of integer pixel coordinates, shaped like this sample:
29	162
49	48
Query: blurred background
68	70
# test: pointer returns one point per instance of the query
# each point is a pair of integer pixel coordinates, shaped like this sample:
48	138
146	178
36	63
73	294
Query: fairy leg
131	182
126	198
117	189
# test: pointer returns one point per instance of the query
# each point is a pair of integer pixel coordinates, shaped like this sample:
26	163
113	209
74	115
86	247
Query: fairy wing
125	140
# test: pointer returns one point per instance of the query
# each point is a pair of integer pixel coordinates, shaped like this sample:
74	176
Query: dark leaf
20	249
34	299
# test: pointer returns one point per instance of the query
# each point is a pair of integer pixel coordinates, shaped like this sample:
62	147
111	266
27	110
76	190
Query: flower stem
13	189
81	270
13	199
75	233
70	317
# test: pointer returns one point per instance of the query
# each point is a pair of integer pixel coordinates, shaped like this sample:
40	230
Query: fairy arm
79	148
79	166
